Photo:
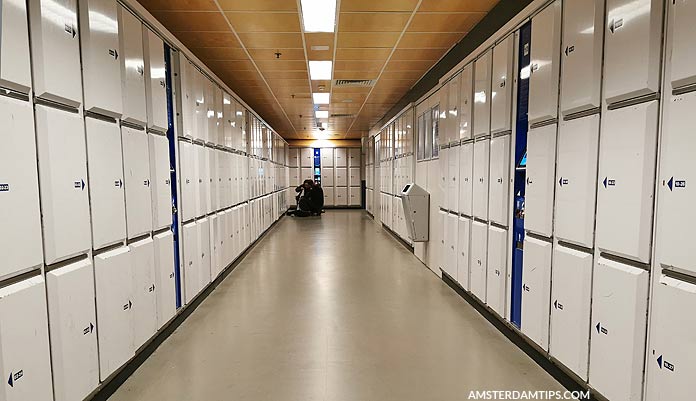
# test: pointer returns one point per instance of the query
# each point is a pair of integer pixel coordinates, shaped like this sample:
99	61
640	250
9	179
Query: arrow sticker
146	183
608	183
14	377
562	181
10	381
557	305
525	287
601	329
88	329
113	53
140	70
568	50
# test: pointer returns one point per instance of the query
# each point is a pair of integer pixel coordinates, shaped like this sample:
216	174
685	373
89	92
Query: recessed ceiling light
320	69
322	114
318	15
321	98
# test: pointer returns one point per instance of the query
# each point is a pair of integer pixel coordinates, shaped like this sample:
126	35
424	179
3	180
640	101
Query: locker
478	262
204	249
211	118
55	51
672	350
453	104
617	335
355	196
581	69
165	287
327	157
296	177
463	236
203	180
192	262
449	264
539	191
188	101
354	178
341	196
328	196
101	69
159	173
354	157
189	182
199	83
73	330
307	157
536	290
482	92
545	66
626	180
466	172
501	89
452	189
132	68
20	237
113	276
570	308
327	177
144	308
480	185
155	86
105	161
213	179
219	122
341	157
681	53
24	350
466	106
498	199
341	176
576	179
631	71
136	168
443	171
63	182
307	174
220	232
15	69
294	160
496	276
214	253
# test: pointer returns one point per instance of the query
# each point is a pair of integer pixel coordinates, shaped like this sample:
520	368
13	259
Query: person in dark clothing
310	199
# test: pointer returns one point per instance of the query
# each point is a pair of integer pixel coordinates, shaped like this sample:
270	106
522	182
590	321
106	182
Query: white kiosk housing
416	202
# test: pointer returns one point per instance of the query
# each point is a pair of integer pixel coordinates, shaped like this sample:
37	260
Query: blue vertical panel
317	165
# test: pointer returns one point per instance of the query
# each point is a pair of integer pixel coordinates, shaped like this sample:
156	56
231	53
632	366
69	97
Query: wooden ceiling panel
430	40
414	75
264	40
418	54
346	74
372	22
183	21
264	22
271	75
270	54
179	5
358	65
280	64
231	65
319	39
220	53
365	53
379	5
257	5
367	39
208	39
409	65
458	5
448	22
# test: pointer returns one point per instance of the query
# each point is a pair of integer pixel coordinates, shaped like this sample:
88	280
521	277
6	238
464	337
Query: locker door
203	180
581	69
452	179
101	70
449	264
478	262
482	92
15	69
188	181
223	240
165	287
341	157
341	177
617	339
55	51
294	158
205	252
496	279
201	112
155	86
215	262
341	196
106	193
20	238
354	178
463	235
161	190
499	180
192	261
466	105
188	106
539	191
24	351
545	66
214	180
570	308
113	276
306	157
536	290
327	157
327	177
328	196
295	176
307	174
354	157
355	196
136	167
63	182
576	180
466	172
443	171
626	180
631	71
132	71
672	349
144	291
480	186
501	90
681	18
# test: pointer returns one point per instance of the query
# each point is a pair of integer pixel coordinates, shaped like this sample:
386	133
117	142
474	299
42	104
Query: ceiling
393	42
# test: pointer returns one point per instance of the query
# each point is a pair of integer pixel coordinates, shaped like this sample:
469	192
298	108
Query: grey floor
332	308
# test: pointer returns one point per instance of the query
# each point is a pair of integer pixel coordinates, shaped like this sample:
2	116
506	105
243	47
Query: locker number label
608	182
4	187
672	184
14	377
661	362
601	329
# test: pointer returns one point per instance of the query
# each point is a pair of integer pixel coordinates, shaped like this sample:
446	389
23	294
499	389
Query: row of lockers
394	174
330	177
330	157
392	215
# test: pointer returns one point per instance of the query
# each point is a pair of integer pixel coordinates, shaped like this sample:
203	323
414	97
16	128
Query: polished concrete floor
332	308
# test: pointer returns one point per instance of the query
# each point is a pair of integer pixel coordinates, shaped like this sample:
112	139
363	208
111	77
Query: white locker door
15	68
341	157
681	21
327	177
188	181
144	291
24	352
672	348
159	174
214	179
536	290
482	94
539	191
205	251
626	180
449	264
188	103
132	68
101	69
306	157
675	212
576	180
631	71
136	167
215	262
341	177
480	186
73	328
354	176
328	196
192	261
466	180
203	179
355	196
581	70
478	262
155	86
295	176
501	89
570	308
466	102
617	339
463	235
307	174
294	158
55	51
341	196
498	199
20	238
113	276
452	190
327	157
222	242
545	65
199	82
165	287
354	157
105	161
497	269
63	183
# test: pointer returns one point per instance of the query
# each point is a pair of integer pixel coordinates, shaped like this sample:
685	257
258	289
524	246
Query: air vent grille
340	115
354	82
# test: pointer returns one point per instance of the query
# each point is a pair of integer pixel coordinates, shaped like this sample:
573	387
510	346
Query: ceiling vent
341	83
339	115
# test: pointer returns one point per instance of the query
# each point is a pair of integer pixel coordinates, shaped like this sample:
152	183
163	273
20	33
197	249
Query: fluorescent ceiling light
320	98
322	113
318	15
320	69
